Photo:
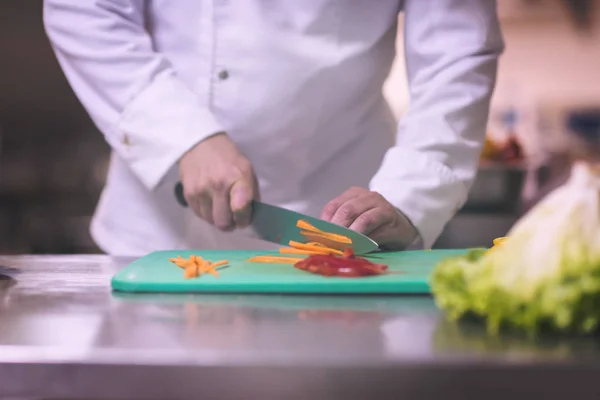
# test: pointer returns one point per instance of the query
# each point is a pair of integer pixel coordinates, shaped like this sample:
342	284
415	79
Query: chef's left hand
371	214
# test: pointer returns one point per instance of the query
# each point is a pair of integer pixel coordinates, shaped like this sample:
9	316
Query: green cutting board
155	273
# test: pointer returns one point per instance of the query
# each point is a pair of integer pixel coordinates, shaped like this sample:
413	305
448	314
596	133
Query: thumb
241	195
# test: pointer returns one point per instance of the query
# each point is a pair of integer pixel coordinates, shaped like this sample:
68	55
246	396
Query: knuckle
192	192
331	208
216	184
366	220
377	197
348	212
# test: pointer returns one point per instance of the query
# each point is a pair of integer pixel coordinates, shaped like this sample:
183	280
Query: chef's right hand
219	182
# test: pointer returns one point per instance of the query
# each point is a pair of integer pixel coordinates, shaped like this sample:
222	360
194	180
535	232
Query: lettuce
545	275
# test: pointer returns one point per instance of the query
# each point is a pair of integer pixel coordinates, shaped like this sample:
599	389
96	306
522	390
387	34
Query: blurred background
53	160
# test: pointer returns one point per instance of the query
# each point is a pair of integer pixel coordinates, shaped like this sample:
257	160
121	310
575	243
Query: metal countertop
64	334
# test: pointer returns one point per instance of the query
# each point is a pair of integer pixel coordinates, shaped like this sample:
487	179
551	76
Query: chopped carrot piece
325	241
319	236
275	259
201	266
190	272
210	269
305	226
319	249
220	263
181	262
288	250
319	243
196	266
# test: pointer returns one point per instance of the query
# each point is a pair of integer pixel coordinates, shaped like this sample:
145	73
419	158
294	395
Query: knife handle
179	195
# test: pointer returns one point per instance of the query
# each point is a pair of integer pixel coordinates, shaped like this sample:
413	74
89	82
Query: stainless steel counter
64	334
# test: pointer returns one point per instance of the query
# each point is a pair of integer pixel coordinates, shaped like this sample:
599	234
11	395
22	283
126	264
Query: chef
278	100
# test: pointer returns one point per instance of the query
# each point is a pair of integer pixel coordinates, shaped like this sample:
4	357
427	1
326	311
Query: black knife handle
179	195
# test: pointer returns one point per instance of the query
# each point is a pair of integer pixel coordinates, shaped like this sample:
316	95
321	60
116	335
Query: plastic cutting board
155	273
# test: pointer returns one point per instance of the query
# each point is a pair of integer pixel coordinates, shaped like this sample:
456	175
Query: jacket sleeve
451	50
132	93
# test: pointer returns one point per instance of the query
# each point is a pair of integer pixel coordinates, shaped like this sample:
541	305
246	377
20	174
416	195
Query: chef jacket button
223	75
126	141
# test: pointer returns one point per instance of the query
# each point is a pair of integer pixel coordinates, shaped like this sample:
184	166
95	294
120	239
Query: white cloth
296	84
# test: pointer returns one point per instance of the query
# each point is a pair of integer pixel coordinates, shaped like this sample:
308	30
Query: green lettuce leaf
545	275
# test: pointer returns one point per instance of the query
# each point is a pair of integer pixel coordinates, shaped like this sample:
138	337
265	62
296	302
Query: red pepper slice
346	266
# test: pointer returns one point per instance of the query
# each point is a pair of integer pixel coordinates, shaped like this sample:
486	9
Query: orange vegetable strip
275	259
331	236
288	250
196	265
304	225
499	241
190	272
219	263
196	259
210	267
180	262
318	249
201	266
325	241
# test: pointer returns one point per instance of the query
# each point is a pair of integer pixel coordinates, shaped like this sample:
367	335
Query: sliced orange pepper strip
220	263
319	249
190	272
325	241
316	244
183	264
177	260
201	266
307	228
196	266
180	262
317	236
288	250
304	225
275	259
210	267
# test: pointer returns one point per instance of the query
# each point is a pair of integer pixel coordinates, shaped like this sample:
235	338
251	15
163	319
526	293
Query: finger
221	211
370	220
331	208
201	204
348	212
241	196
395	236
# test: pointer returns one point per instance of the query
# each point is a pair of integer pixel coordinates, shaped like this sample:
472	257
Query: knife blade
278	225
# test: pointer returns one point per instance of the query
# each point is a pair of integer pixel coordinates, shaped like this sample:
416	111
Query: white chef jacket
297	85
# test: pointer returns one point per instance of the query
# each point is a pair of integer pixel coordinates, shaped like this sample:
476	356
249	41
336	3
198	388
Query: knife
278	225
